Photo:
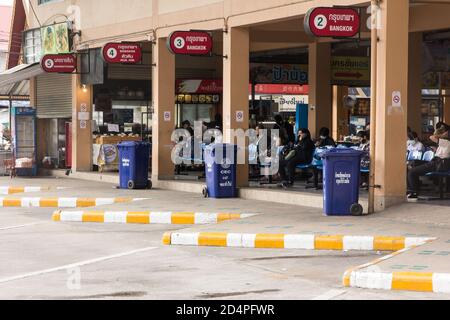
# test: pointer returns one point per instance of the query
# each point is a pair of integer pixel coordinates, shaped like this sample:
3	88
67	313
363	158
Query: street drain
234	294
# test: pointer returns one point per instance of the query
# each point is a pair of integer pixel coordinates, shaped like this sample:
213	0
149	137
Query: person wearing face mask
302	153
414	143
325	140
364	139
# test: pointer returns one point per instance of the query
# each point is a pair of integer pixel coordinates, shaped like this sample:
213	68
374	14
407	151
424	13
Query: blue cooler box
133	164
341	181
220	174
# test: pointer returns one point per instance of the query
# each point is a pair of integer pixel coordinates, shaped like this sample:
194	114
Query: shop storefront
121	106
53	111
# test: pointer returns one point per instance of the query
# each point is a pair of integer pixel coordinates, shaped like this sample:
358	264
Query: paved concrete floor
48	260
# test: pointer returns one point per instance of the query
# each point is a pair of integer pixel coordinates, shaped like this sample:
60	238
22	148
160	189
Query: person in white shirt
413	143
440	163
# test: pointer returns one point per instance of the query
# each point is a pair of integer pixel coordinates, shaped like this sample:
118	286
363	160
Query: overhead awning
15	81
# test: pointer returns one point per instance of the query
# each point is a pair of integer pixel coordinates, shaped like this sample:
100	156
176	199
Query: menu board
197	98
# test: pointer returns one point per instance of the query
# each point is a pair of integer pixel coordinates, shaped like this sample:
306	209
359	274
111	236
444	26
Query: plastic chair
415	155
428	156
252	153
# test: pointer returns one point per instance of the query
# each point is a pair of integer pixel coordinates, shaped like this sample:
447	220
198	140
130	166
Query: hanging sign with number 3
194	43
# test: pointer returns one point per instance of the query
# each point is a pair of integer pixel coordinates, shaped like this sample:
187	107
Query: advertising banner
55	39
350	70
279	73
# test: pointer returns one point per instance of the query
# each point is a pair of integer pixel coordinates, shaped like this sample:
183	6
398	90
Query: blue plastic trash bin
341	180
220	167
133	165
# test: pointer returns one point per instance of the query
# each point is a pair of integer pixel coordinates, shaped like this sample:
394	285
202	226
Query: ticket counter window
196	108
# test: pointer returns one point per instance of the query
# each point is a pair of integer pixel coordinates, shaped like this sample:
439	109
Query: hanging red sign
332	22
59	63
195	43
122	53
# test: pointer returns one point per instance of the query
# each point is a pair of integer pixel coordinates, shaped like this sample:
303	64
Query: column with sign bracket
320	90
236	69
392	101
82	98
163	82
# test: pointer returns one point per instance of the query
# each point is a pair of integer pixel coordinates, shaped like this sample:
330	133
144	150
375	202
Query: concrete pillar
236	46
320	92
163	82
41	126
81	129
415	82
340	113
391	118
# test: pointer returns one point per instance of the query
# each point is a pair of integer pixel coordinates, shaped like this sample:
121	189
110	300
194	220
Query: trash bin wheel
205	192
130	184
149	184
356	209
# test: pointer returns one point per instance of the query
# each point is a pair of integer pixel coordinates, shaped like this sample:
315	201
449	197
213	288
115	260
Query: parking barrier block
36	202
293	241
6	190
146	217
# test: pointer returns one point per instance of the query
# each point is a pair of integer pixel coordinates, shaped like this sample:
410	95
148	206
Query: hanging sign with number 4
130	53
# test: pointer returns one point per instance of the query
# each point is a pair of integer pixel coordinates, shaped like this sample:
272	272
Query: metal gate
54	96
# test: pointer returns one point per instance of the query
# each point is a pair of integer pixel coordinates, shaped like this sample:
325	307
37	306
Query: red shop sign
59	63
122	53
195	43
332	22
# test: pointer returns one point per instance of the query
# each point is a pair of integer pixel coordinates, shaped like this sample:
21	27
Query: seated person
325	140
441	163
414	143
187	126
302	153
364	139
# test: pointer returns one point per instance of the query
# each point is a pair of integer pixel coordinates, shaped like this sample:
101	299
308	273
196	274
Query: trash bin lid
342	152
125	144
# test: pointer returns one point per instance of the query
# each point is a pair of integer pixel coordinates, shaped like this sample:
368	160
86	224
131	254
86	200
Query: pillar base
384	202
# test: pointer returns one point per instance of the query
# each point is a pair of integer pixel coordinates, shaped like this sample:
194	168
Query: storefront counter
105	152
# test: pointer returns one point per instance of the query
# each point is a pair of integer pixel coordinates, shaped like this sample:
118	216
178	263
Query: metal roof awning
15	81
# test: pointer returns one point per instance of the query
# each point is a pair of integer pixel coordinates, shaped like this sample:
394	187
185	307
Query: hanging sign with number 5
332	22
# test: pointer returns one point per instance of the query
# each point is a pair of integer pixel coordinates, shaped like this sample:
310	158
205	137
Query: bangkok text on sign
332	22
197	43
122	53
59	63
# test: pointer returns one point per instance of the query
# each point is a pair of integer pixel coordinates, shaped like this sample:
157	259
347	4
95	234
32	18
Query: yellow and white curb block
292	241
146	217
5	190
29	202
406	281
368	276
